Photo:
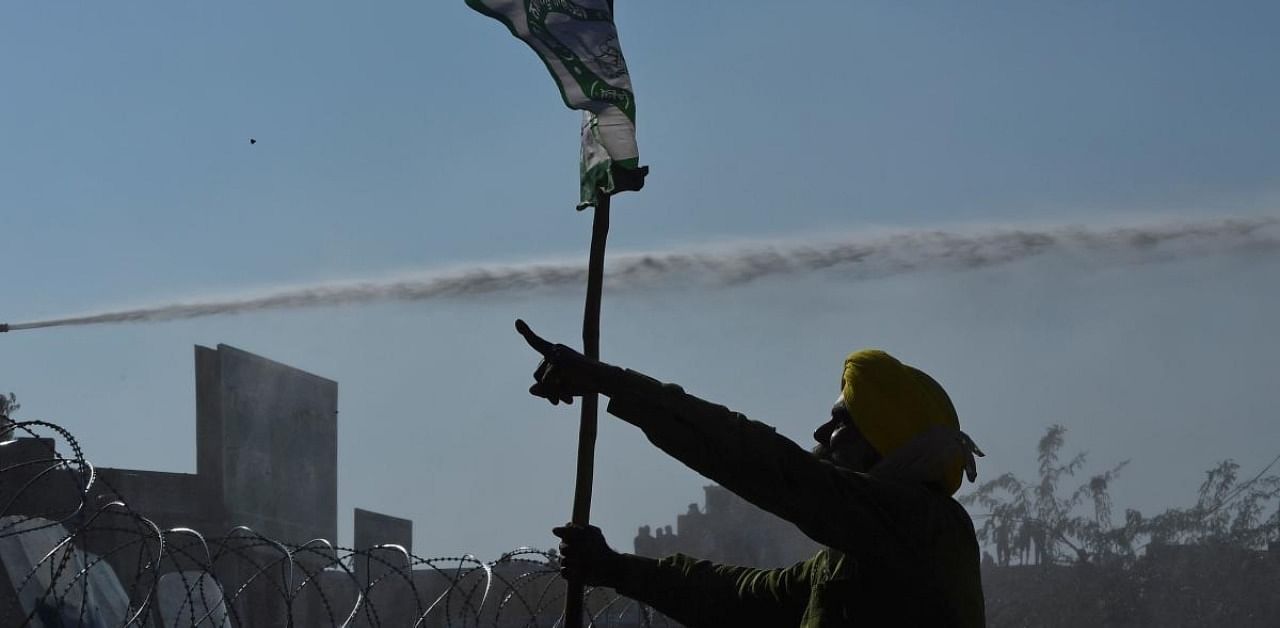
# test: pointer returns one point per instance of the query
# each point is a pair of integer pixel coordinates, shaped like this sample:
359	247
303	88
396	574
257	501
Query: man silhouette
875	491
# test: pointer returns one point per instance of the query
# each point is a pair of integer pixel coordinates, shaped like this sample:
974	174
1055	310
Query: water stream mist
721	265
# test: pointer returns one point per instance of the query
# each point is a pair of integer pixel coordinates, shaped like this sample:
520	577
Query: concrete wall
35	482
1178	586
373	529
171	500
268	443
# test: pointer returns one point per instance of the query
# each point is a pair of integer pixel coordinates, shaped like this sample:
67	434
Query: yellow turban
892	403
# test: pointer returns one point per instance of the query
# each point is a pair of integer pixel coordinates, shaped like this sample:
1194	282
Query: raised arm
833	506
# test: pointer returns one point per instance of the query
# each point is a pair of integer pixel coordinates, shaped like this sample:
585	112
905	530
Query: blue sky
406	135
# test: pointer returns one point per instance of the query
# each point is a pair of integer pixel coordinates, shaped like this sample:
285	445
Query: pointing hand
563	373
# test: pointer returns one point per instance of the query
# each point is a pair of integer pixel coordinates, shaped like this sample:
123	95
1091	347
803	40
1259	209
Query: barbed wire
75	554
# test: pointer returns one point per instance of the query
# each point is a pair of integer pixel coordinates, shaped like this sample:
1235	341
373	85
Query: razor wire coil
75	554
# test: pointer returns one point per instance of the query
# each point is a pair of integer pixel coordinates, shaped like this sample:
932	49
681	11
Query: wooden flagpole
573	607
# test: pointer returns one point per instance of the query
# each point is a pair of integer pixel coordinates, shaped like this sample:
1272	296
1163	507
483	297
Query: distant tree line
1052	520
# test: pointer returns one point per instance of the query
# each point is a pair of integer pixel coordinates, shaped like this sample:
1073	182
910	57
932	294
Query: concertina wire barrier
76	555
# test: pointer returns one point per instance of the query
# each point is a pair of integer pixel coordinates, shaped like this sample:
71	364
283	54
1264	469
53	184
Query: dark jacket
898	554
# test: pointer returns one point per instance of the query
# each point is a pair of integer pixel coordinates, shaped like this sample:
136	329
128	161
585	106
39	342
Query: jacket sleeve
699	593
833	506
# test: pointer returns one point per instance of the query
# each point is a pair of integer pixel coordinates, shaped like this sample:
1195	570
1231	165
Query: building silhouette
728	529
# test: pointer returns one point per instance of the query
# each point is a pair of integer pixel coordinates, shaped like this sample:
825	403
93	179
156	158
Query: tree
1227	512
8	405
1107	573
1030	523
1034	523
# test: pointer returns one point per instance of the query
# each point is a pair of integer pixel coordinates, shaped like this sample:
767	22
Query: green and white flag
578	42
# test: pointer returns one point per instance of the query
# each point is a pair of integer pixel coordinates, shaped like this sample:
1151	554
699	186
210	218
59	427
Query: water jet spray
726	265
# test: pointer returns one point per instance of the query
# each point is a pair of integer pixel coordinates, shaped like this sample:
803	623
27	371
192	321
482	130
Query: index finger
534	340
